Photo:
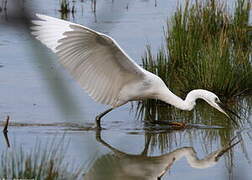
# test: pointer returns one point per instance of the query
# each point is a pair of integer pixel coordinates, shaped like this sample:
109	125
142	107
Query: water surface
35	90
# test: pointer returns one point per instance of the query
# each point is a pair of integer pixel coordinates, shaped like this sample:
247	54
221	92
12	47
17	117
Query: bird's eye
216	99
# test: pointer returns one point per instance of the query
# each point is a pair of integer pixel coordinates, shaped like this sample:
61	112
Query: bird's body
104	70
149	86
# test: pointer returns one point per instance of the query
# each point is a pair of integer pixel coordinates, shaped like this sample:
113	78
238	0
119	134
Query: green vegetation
39	163
208	46
64	6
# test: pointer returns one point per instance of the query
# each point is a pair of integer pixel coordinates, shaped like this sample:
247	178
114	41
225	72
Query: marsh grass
208	137
38	163
208	46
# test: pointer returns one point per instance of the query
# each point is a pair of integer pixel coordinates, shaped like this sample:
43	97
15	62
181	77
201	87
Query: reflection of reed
93	5
157	110
201	115
121	165
65	9
152	110
4	5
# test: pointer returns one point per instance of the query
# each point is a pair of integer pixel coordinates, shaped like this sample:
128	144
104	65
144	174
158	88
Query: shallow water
36	90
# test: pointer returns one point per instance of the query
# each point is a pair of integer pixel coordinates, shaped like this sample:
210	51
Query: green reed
207	47
38	163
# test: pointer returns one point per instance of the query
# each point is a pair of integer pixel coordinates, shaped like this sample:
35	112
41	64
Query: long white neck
187	104
193	160
207	161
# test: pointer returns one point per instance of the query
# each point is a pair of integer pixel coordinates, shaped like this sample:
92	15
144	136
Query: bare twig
5	130
7	139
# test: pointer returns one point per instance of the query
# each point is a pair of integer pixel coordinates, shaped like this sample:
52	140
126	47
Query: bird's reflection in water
123	166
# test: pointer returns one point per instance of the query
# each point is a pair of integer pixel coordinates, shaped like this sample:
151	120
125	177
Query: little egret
105	71
119	165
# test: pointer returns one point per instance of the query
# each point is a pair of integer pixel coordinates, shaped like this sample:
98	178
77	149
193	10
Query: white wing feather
94	59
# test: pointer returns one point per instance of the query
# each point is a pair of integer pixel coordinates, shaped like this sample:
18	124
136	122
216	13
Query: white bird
104	70
120	165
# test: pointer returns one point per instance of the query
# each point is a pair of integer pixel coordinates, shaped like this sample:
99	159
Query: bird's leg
166	168
98	118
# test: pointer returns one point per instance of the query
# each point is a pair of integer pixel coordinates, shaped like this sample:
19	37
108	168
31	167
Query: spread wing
94	59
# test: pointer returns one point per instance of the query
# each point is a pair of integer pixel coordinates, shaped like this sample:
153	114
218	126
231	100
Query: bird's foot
177	125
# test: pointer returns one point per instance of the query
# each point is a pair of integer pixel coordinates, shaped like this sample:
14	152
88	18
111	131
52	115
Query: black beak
227	148
227	110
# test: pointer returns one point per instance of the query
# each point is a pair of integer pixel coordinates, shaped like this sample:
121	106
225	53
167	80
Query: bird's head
210	159
213	100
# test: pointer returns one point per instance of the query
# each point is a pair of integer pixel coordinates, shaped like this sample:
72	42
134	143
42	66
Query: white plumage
94	59
104	70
